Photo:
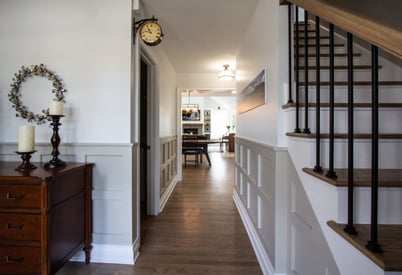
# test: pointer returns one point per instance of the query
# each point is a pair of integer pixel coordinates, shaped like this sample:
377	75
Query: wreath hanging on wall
15	94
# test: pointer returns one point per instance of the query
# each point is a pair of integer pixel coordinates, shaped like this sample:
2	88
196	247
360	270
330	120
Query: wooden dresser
45	217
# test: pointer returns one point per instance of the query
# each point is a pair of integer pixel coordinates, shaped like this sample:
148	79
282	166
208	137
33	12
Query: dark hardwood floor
199	231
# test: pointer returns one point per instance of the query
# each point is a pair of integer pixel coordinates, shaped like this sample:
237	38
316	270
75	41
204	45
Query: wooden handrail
381	29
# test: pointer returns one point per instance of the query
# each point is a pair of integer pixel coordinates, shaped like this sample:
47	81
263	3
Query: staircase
325	158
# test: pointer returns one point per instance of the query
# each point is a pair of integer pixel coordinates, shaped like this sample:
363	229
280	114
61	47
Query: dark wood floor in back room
199	231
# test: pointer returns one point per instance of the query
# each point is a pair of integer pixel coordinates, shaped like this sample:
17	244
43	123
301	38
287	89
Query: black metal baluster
306	128
331	173
317	167
290	100
297	128
372	244
349	228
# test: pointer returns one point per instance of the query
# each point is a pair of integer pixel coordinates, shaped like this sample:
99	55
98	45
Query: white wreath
15	94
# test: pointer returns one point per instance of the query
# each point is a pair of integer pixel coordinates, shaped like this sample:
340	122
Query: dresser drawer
20	227
21	196
20	259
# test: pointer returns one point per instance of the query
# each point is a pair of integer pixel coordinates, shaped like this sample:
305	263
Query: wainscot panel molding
168	168
276	212
260	195
115	229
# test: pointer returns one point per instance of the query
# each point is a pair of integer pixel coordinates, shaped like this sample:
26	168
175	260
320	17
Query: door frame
153	157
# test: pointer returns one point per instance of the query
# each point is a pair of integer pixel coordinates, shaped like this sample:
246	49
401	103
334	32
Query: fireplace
190	131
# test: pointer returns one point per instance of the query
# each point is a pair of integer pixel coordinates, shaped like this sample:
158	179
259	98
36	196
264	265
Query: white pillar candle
56	108
26	138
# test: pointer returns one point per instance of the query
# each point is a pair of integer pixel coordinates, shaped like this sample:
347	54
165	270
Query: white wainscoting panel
276	212
168	168
256	167
115	228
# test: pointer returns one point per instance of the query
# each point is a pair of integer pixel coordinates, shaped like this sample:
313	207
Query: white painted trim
239	139
102	253
263	259
153	133
166	195
179	139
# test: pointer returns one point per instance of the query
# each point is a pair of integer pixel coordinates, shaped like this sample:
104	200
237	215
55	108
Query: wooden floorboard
199	231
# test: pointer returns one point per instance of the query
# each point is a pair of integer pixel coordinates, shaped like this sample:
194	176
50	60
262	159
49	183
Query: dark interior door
143	136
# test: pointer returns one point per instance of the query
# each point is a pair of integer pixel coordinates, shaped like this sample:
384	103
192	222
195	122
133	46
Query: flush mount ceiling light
226	74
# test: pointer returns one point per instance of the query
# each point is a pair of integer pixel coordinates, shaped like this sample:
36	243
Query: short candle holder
55	162
25	165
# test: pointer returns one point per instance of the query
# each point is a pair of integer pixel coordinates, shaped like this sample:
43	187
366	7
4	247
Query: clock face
151	33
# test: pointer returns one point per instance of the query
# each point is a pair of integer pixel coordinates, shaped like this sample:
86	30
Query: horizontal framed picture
190	113
253	95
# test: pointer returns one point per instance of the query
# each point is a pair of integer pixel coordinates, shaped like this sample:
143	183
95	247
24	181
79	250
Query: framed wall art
253	95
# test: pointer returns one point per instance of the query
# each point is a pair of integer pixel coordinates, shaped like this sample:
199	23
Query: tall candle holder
55	162
25	165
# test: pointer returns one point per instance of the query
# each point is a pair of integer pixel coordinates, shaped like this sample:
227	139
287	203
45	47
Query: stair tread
311	37
340	67
389	237
345	135
356	83
301	45
362	177
343	105
327	54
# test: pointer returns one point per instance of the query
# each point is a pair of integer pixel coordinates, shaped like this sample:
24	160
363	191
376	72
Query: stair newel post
349	228
372	244
306	128
297	65
317	167
290	100
331	173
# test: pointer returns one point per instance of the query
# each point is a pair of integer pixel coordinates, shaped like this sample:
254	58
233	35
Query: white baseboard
265	263
111	254
166	195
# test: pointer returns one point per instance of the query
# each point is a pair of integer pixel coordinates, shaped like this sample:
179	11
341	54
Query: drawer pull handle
12	197
14	228
10	260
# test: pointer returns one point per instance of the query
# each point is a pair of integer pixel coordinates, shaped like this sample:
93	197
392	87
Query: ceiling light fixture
226	74
189	108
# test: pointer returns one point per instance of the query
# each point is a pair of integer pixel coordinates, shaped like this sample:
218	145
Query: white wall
167	94
203	81
262	47
87	43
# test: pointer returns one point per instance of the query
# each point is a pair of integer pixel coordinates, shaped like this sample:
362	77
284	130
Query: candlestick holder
55	162
25	165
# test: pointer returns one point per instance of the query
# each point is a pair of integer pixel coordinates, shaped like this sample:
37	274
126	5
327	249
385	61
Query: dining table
202	143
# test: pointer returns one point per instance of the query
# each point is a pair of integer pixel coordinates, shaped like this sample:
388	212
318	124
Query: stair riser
340	75
389	205
389	120
324	49
358	74
361	94
390	154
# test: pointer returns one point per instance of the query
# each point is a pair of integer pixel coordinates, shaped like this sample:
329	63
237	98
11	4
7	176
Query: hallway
199	231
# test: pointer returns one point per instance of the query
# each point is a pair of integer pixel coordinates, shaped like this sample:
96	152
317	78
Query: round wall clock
151	33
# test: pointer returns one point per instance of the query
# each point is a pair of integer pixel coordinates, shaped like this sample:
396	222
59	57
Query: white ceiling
201	35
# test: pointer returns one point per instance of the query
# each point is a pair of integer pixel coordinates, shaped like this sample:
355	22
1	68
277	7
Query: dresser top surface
7	169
